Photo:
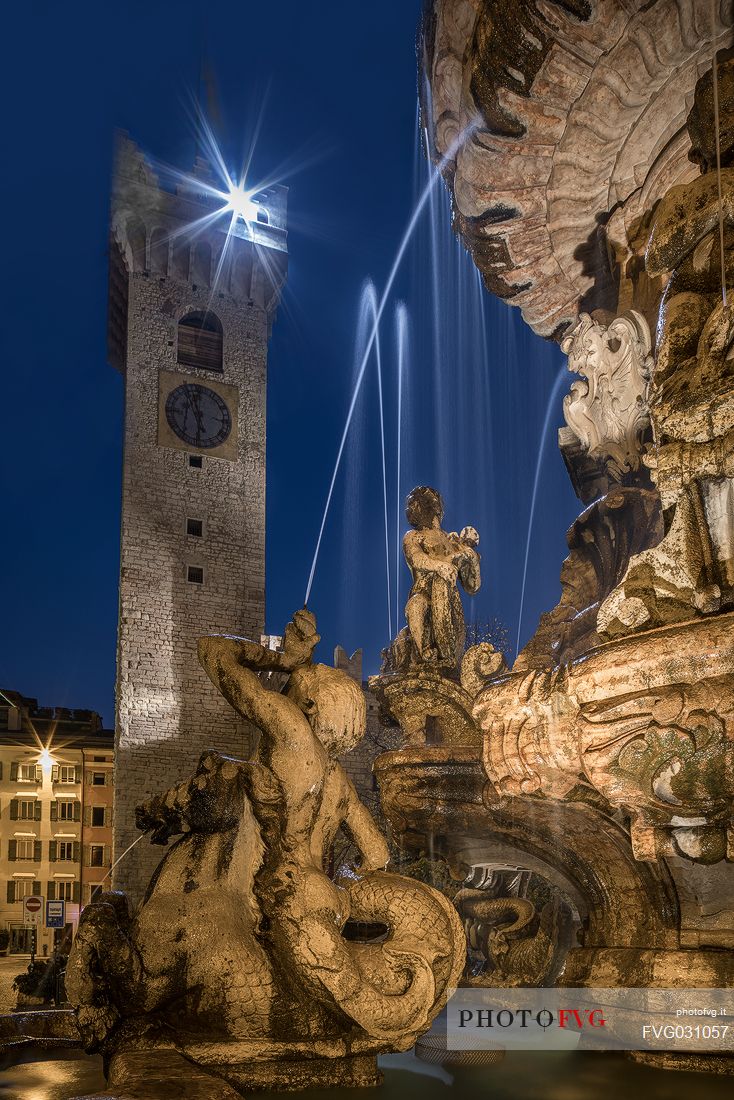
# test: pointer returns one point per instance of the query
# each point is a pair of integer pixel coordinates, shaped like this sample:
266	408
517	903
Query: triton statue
238	957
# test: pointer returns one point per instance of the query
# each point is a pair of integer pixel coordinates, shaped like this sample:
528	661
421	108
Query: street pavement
10	965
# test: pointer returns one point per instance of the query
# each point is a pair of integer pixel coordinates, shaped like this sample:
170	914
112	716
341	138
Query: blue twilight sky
336	84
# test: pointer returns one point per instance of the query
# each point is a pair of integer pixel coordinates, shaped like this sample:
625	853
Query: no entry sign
32	909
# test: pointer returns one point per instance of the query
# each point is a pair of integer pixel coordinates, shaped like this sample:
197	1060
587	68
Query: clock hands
207	409
193	404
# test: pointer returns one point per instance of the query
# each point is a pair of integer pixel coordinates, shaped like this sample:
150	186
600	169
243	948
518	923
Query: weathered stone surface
161	1075
607	409
581	113
647	722
46	1028
689	571
601	541
279	994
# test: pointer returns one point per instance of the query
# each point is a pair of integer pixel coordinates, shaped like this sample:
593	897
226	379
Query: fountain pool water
49	1075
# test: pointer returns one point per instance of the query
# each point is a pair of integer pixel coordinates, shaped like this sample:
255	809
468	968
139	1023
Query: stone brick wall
168	712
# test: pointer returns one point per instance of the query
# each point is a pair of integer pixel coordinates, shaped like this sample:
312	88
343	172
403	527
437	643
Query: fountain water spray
120	858
445	160
372	302
401	324
557	386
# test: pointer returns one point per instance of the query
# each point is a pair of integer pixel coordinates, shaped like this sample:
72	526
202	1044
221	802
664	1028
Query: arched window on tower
200	341
263	216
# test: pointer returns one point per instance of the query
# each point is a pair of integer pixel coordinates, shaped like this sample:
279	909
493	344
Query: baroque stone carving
607	409
692	395
654	740
280	997
581	112
438	561
695	325
586	193
601	541
518	944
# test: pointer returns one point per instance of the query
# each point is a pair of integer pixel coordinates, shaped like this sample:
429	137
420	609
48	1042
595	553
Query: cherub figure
386	989
438	561
257	836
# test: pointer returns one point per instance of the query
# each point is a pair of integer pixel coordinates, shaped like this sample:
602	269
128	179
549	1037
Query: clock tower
189	321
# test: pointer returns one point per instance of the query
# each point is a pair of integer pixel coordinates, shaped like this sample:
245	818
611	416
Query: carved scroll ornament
607	408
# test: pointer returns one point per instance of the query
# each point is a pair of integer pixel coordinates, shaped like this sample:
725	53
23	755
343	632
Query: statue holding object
438	561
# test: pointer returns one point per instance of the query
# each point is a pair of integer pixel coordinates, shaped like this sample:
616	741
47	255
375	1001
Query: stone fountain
602	763
243	967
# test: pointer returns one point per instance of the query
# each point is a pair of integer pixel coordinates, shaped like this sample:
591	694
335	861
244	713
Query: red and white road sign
32	909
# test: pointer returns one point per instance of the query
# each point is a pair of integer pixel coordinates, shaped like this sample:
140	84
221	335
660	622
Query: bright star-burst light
231	195
239	201
46	760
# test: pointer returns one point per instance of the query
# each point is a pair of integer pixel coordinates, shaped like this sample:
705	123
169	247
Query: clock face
198	415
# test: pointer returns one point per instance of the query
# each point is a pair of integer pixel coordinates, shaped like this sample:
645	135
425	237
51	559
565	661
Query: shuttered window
200	341
29	773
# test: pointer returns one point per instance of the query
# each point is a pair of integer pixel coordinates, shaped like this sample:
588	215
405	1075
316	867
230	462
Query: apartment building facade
56	796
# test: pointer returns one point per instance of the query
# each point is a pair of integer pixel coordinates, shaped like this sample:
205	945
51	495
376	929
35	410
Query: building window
24	888
195	574
98	779
66	850
64	889
100	759
97	816
200	341
4	718
263	216
67	774
29	773
95	892
96	855
24	848
65	811
196	461
26	809
195	527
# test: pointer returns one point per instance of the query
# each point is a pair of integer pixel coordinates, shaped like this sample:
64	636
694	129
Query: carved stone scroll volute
607	408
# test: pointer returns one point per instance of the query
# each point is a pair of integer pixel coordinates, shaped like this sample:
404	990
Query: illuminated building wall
189	322
46	800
